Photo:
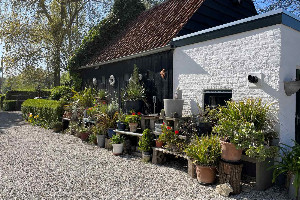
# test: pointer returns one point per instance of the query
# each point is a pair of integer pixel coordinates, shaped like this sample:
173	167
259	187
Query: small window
213	98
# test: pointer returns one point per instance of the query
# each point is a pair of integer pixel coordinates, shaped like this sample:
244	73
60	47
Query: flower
163	123
104	102
37	116
139	113
168	127
176	132
133	113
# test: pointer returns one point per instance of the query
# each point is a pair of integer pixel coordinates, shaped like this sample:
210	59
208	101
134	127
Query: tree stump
231	173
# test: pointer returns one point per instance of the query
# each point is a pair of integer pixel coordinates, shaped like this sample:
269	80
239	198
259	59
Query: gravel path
38	164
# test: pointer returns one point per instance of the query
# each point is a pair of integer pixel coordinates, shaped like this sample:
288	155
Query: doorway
297	121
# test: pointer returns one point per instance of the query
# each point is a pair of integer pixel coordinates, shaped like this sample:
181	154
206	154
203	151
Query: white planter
101	140
146	156
117	149
292	190
172	106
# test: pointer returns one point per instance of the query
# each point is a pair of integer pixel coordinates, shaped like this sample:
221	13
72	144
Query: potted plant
84	133
160	141
101	96
172	140
289	165
132	120
117	143
93	139
56	126
205	153
121	122
100	133
145	144
245	125
134	93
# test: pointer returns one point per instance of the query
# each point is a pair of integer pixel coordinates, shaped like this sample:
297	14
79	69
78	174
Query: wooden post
192	169
231	173
158	157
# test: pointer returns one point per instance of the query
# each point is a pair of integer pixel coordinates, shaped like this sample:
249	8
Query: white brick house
221	58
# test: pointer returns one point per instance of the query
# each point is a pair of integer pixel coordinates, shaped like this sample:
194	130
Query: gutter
141	54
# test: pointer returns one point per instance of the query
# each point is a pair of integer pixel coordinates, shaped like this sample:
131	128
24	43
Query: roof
153	29
251	23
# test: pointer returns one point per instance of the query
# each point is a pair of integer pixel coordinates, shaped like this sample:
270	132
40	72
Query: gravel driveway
39	164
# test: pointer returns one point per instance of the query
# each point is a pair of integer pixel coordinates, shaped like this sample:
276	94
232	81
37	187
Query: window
213	98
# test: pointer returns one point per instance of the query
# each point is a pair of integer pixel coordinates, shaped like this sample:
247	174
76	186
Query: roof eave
137	55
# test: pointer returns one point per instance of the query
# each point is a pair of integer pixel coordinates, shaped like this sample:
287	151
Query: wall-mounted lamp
252	79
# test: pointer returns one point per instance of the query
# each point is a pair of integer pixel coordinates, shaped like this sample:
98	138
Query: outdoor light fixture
252	79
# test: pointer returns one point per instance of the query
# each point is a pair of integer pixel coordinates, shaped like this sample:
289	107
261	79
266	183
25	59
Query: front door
297	136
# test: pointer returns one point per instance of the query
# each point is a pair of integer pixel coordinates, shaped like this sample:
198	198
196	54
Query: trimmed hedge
49	111
2	97
25	94
9	105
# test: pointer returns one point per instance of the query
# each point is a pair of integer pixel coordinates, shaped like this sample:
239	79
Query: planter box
137	106
172	106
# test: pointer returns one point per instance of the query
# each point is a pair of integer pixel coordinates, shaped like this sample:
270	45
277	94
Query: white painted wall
224	63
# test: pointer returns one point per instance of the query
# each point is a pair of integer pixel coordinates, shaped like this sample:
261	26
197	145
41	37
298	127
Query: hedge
49	111
9	105
2	97
25	94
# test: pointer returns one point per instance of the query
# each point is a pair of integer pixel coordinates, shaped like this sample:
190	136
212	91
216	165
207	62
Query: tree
44	33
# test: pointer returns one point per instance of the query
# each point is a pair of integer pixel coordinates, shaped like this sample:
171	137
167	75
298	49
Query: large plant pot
206	175
101	141
133	127
121	126
117	149
158	144
146	156
230	153
137	106
110	132
292	189
84	136
172	106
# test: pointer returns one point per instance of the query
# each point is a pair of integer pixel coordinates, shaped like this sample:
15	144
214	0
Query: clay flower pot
230	152
133	127
84	136
206	174
158	144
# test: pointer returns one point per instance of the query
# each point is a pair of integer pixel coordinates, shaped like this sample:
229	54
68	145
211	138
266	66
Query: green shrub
9	105
61	92
146	141
49	111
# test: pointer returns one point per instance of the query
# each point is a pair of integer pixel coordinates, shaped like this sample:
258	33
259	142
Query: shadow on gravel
10	119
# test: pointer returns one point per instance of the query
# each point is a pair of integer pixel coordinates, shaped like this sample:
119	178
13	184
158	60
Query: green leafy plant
92	139
85	98
61	92
134	90
98	129
246	124
146	141
204	151
117	139
162	138
132	118
9	105
172	139
49	111
289	164
102	94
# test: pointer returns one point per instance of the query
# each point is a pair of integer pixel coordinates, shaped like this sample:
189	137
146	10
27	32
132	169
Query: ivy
99	37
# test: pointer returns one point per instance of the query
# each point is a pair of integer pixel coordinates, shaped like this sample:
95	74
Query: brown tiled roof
152	29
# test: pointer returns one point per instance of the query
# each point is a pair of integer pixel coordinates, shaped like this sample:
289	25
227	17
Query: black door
297	136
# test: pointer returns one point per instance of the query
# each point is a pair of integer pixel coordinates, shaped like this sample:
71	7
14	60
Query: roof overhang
243	25
141	54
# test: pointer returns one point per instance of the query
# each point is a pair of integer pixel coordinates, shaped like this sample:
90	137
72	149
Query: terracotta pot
206	175
133	127
230	153
84	136
158	144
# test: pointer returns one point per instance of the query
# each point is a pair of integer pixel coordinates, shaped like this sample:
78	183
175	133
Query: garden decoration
134	93
205	153
112	80
245	125
117	143
289	165
145	144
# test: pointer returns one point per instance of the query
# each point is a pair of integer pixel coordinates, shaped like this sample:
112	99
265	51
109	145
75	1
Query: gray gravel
39	164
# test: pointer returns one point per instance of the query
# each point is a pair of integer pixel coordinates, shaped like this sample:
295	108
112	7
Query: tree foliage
39	32
263	6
